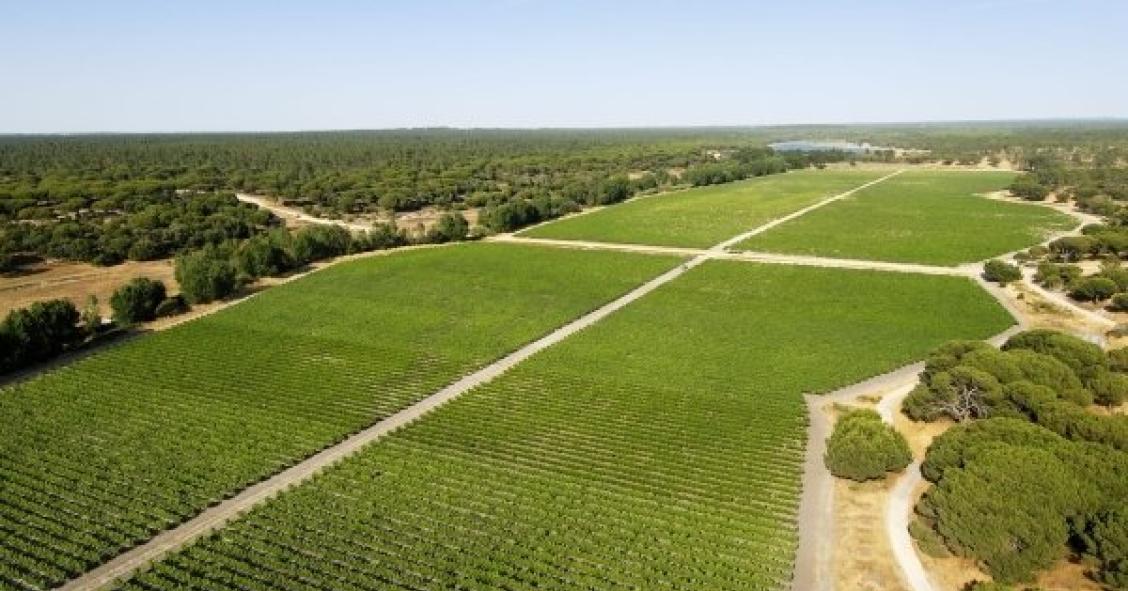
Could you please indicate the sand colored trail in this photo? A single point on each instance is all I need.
(294, 214)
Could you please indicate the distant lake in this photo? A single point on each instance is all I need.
(823, 146)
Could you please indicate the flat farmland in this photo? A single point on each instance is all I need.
(705, 216)
(917, 217)
(104, 453)
(659, 449)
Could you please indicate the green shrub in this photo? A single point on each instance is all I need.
(172, 307)
(1106, 539)
(1028, 188)
(450, 227)
(205, 276)
(862, 447)
(264, 255)
(1108, 388)
(928, 540)
(1093, 289)
(988, 586)
(37, 333)
(1073, 248)
(1119, 303)
(1083, 357)
(137, 301)
(1001, 272)
(1053, 275)
(315, 243)
(1118, 359)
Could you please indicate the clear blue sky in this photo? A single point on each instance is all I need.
(160, 65)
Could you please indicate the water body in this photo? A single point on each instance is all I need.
(824, 146)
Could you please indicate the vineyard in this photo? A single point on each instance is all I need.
(659, 449)
(917, 217)
(704, 216)
(104, 453)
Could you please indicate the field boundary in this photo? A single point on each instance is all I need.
(748, 256)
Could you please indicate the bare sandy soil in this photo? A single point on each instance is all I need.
(414, 222)
(863, 557)
(77, 281)
(418, 222)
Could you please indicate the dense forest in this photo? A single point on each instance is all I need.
(107, 198)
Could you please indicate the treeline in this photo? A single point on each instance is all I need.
(337, 173)
(124, 226)
(1057, 268)
(1030, 473)
(217, 271)
(538, 205)
(1097, 183)
(1077, 143)
(42, 331)
(214, 272)
(106, 199)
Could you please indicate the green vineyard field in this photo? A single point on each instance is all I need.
(703, 217)
(659, 449)
(106, 452)
(917, 217)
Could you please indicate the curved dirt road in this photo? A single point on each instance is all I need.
(897, 515)
(293, 214)
(814, 559)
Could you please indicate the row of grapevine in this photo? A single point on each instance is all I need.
(103, 454)
(936, 217)
(660, 449)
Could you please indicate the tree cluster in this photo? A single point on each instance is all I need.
(862, 447)
(218, 271)
(139, 227)
(1001, 272)
(137, 301)
(39, 332)
(1030, 474)
(1018, 497)
(965, 380)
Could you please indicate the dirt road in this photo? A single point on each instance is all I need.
(897, 515)
(293, 214)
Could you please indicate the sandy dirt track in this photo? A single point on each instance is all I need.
(292, 215)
